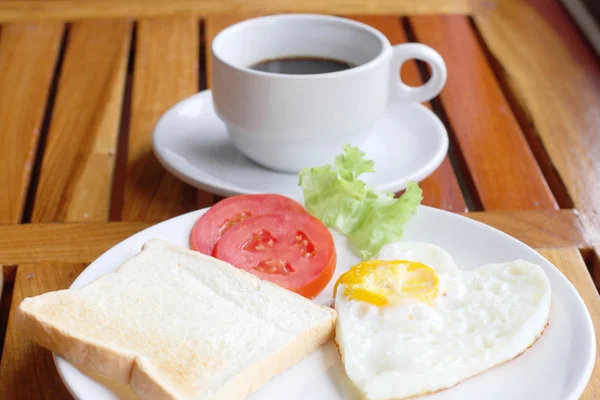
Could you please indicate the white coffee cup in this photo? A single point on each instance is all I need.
(287, 122)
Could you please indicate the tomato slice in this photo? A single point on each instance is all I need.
(295, 251)
(208, 229)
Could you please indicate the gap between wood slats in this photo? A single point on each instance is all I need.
(203, 198)
(463, 176)
(592, 261)
(555, 182)
(41, 146)
(5, 302)
(165, 73)
(204, 48)
(7, 279)
(119, 172)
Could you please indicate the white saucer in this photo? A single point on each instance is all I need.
(191, 142)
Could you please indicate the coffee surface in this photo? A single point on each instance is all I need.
(301, 65)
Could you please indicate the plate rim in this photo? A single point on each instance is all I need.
(224, 188)
(577, 390)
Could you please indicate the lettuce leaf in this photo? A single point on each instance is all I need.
(369, 219)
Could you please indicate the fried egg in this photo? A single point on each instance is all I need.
(410, 322)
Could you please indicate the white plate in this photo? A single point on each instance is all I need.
(557, 367)
(191, 142)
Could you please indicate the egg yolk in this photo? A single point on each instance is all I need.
(382, 282)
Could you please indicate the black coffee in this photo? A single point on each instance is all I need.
(301, 65)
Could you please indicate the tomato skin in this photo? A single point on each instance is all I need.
(208, 229)
(295, 251)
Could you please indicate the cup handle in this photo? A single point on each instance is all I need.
(401, 92)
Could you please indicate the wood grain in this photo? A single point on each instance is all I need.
(84, 242)
(28, 54)
(441, 188)
(165, 72)
(76, 175)
(570, 263)
(556, 76)
(502, 167)
(15, 10)
(27, 370)
(70, 242)
(551, 228)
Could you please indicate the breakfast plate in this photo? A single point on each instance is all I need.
(557, 367)
(191, 142)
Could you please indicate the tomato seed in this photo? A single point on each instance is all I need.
(259, 240)
(275, 266)
(234, 220)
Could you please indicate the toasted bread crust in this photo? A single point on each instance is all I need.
(80, 351)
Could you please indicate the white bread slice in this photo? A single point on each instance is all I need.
(177, 324)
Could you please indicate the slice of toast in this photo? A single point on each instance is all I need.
(178, 324)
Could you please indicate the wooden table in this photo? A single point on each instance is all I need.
(82, 84)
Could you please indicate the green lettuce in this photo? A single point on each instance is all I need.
(369, 219)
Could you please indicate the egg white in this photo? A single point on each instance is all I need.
(480, 319)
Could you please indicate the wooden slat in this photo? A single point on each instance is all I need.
(27, 370)
(503, 168)
(5, 302)
(11, 10)
(83, 242)
(537, 228)
(76, 175)
(570, 263)
(165, 72)
(72, 242)
(556, 77)
(441, 189)
(28, 54)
